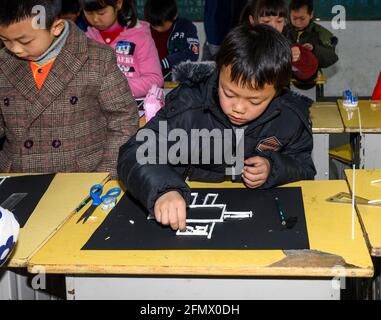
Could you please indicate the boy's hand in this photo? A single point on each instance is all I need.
(171, 209)
(256, 172)
(308, 46)
(295, 54)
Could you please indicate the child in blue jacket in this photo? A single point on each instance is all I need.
(176, 38)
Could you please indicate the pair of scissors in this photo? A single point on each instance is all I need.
(96, 195)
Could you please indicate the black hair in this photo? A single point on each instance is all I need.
(246, 12)
(298, 4)
(14, 11)
(156, 12)
(70, 6)
(257, 56)
(268, 8)
(127, 15)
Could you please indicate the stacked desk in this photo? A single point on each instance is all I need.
(216, 274)
(326, 120)
(365, 121)
(370, 217)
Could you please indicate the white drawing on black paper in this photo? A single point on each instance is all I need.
(199, 225)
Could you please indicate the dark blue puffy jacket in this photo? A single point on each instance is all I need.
(282, 134)
(183, 44)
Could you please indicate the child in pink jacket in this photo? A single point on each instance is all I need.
(115, 23)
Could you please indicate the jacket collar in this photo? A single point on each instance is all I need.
(66, 66)
(308, 29)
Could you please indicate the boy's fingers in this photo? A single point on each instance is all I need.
(251, 184)
(249, 161)
(248, 183)
(182, 215)
(254, 170)
(253, 161)
(256, 161)
(173, 220)
(165, 217)
(253, 178)
(158, 215)
(173, 217)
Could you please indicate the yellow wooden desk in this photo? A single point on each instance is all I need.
(364, 118)
(216, 274)
(326, 120)
(365, 121)
(64, 194)
(370, 217)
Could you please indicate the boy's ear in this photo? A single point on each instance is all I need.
(312, 15)
(251, 20)
(57, 27)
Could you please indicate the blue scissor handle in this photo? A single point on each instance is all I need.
(95, 193)
(112, 193)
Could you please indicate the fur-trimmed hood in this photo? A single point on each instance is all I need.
(193, 72)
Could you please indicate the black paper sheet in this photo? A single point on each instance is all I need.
(127, 228)
(35, 186)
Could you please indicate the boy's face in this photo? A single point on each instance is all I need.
(28, 42)
(301, 19)
(164, 27)
(276, 22)
(242, 104)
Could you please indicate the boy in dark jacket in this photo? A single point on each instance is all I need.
(303, 30)
(246, 98)
(176, 38)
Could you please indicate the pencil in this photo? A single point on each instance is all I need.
(280, 212)
(82, 204)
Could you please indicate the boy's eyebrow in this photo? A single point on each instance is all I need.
(17, 39)
(22, 37)
(232, 91)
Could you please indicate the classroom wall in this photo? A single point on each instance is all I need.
(359, 51)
